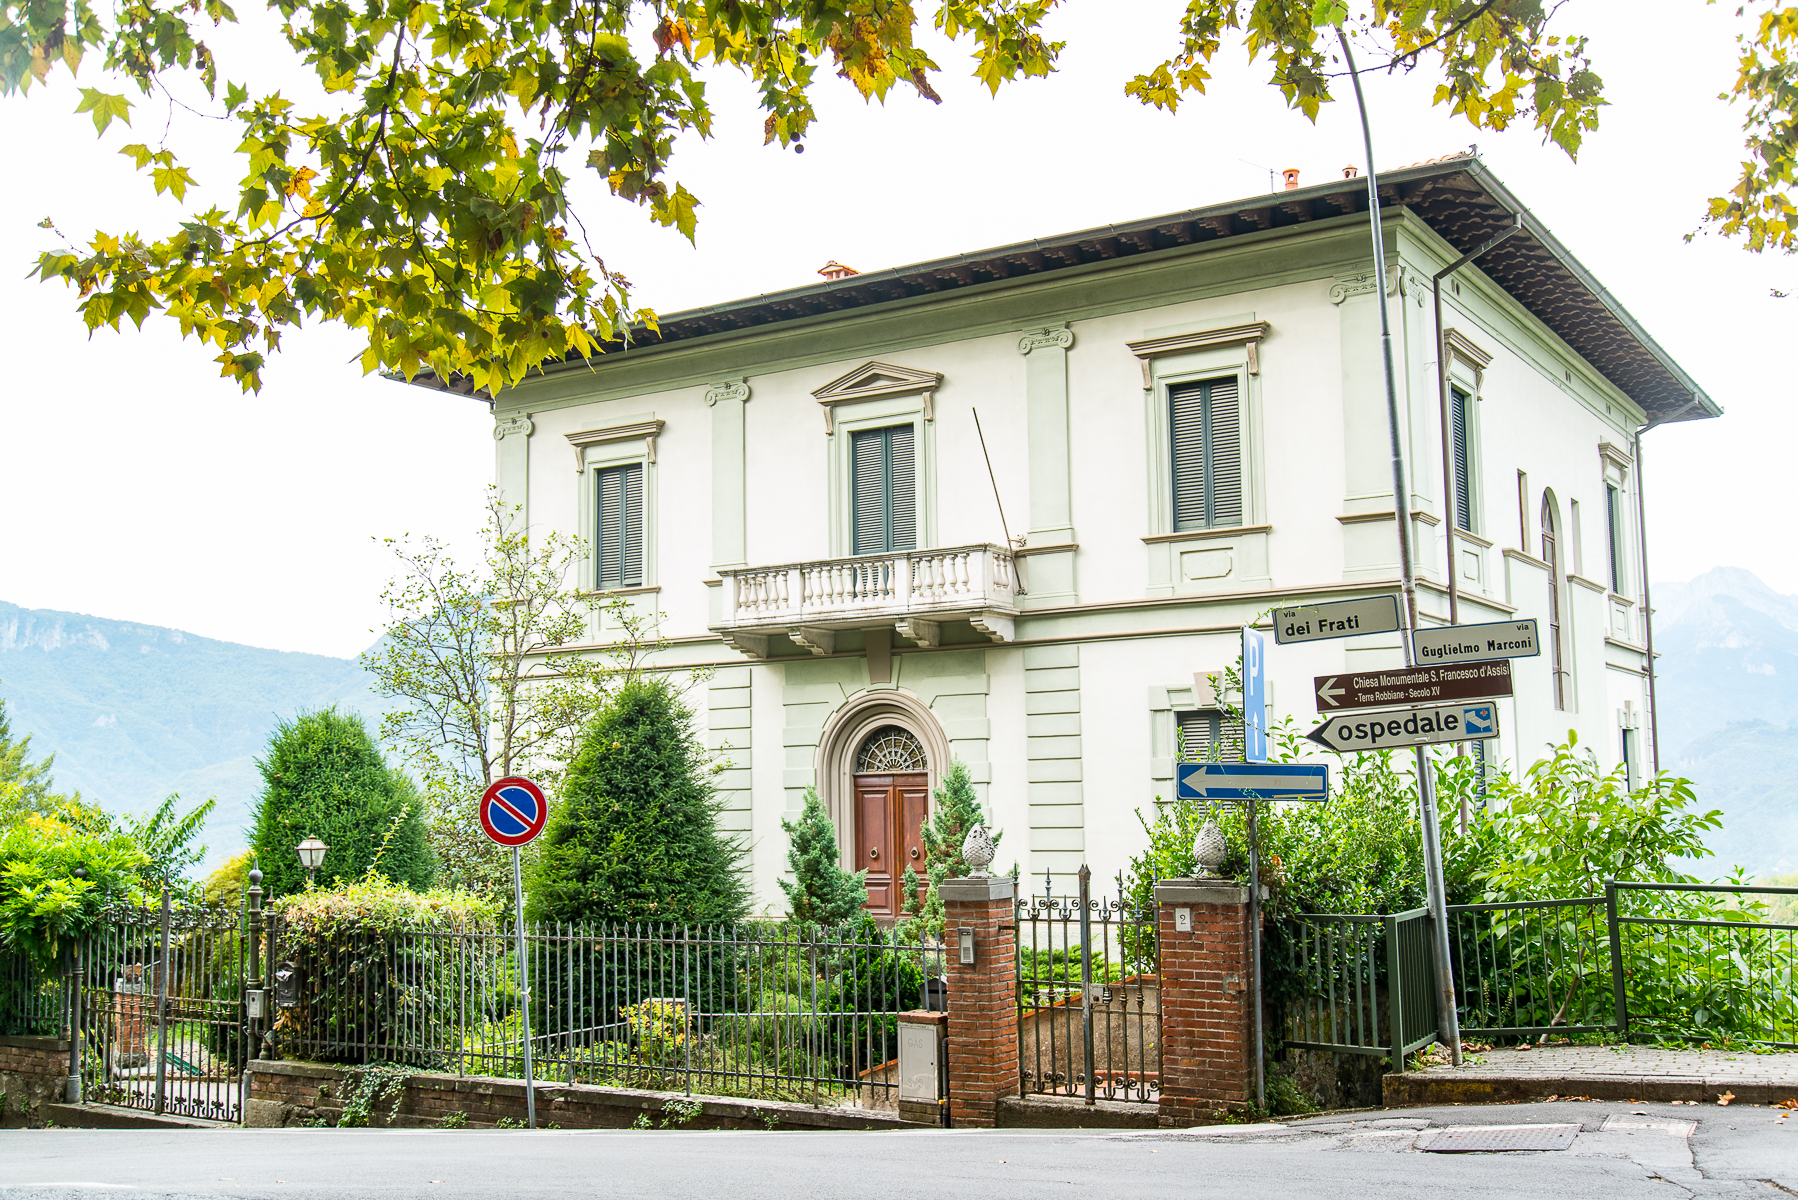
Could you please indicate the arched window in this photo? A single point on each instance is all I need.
(1551, 554)
(890, 750)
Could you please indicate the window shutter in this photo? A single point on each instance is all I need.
(631, 527)
(1208, 735)
(1206, 422)
(885, 487)
(1462, 460)
(902, 486)
(1613, 522)
(869, 468)
(620, 526)
(1188, 420)
(1224, 416)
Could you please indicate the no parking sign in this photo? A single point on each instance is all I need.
(513, 810)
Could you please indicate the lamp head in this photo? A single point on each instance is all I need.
(312, 853)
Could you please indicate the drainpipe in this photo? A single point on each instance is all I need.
(1654, 711)
(1448, 450)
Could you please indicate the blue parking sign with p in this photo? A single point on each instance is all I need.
(1254, 696)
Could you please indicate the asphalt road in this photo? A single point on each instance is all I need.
(1734, 1152)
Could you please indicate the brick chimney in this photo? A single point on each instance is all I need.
(836, 270)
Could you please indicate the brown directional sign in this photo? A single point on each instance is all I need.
(1413, 685)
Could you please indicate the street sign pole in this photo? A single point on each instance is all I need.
(524, 992)
(1448, 1025)
(1255, 927)
(513, 811)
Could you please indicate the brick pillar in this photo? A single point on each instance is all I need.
(983, 1003)
(1207, 1034)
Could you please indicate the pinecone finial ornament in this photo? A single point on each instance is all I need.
(1210, 849)
(977, 851)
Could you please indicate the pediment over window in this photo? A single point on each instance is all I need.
(872, 380)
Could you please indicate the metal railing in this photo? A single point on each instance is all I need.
(1089, 995)
(162, 1021)
(1367, 984)
(1534, 966)
(1699, 962)
(771, 1011)
(34, 1002)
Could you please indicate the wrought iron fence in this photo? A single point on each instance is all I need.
(1534, 966)
(34, 1002)
(1701, 962)
(1365, 983)
(771, 1011)
(1089, 995)
(161, 1019)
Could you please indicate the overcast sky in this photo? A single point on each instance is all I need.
(139, 485)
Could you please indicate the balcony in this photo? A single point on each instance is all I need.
(916, 592)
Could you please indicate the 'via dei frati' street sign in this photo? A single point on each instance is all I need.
(1345, 618)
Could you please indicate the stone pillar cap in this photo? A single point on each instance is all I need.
(1200, 891)
(977, 888)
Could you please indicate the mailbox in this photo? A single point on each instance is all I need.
(287, 988)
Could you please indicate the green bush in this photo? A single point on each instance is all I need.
(635, 836)
(379, 964)
(821, 892)
(325, 778)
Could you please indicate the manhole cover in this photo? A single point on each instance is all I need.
(1618, 1121)
(1463, 1138)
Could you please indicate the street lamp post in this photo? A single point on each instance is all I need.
(312, 854)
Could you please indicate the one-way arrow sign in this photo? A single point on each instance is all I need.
(1254, 781)
(1413, 685)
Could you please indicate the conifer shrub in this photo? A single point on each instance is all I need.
(634, 835)
(955, 811)
(324, 777)
(634, 841)
(820, 892)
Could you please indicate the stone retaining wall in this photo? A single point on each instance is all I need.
(34, 1073)
(298, 1093)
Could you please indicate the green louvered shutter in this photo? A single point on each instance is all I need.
(885, 487)
(1207, 454)
(1613, 525)
(620, 525)
(1463, 459)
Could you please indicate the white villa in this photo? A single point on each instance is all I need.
(1186, 422)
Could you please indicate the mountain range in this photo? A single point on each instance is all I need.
(134, 712)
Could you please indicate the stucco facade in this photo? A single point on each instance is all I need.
(1057, 669)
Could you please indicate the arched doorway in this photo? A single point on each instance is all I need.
(892, 800)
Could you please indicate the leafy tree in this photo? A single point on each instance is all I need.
(635, 836)
(324, 777)
(427, 203)
(1568, 826)
(821, 892)
(477, 658)
(43, 903)
(24, 785)
(167, 839)
(954, 811)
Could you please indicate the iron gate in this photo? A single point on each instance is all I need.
(162, 1023)
(1089, 995)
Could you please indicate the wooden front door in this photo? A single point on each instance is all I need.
(889, 813)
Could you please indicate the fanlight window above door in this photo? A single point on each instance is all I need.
(890, 750)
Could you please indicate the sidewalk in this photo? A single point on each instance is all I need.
(1601, 1073)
